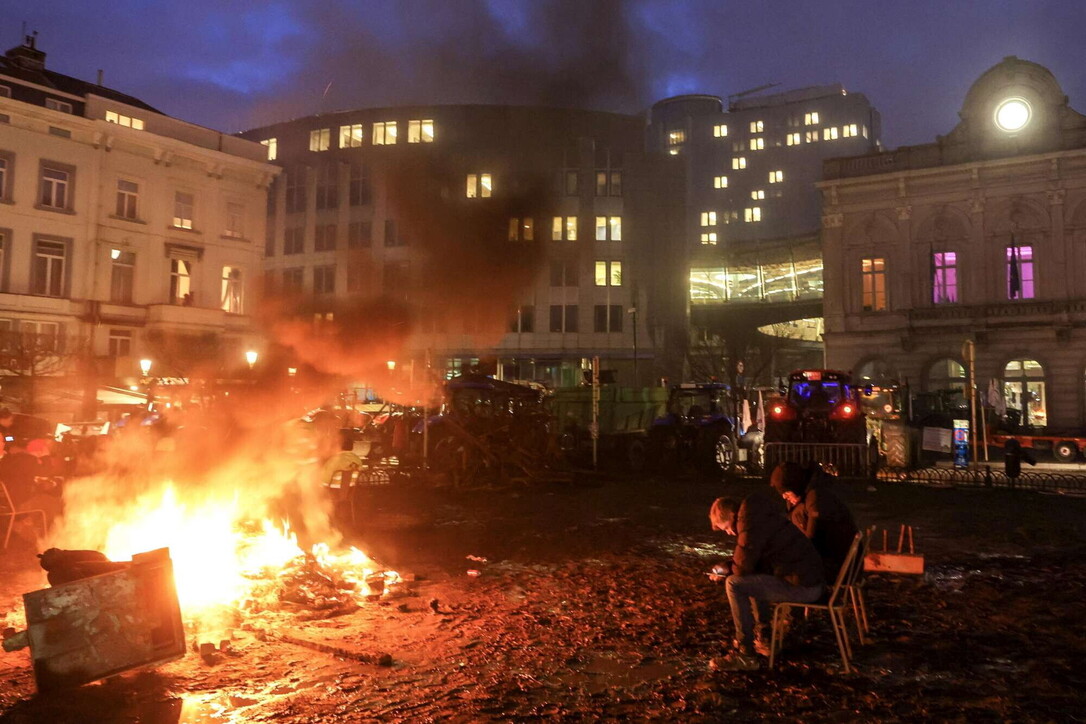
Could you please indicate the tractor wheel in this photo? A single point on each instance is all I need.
(725, 453)
(637, 455)
(756, 458)
(1065, 451)
(895, 440)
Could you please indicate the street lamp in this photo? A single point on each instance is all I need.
(633, 311)
(250, 357)
(145, 367)
(391, 365)
(148, 383)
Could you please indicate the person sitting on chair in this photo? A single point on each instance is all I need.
(28, 480)
(817, 511)
(773, 562)
(343, 460)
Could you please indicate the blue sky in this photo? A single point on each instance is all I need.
(234, 64)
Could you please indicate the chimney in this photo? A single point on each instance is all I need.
(27, 55)
(100, 74)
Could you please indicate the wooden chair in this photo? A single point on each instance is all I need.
(8, 511)
(835, 603)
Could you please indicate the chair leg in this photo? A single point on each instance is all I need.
(7, 535)
(863, 609)
(841, 645)
(775, 636)
(854, 598)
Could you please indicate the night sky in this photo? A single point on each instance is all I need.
(236, 64)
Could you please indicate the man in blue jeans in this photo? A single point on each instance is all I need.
(773, 561)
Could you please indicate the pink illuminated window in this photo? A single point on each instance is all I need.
(944, 273)
(1020, 272)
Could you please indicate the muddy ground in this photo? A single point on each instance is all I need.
(594, 603)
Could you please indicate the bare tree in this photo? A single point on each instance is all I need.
(26, 358)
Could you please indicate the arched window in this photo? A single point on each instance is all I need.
(945, 374)
(877, 371)
(1024, 391)
(944, 390)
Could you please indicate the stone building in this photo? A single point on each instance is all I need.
(979, 236)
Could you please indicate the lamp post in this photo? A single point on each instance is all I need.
(148, 382)
(250, 357)
(633, 313)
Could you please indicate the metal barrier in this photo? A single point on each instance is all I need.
(987, 478)
(845, 459)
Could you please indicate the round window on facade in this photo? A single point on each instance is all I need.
(1013, 114)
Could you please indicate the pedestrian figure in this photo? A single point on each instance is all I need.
(1013, 455)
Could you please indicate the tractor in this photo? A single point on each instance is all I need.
(698, 429)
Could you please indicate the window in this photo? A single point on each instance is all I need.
(829, 133)
(294, 240)
(391, 237)
(873, 273)
(720, 182)
(293, 279)
(811, 137)
(327, 196)
(521, 228)
(181, 282)
(325, 237)
(757, 144)
(849, 130)
(792, 139)
(324, 279)
(944, 270)
(122, 274)
(235, 221)
(120, 343)
(708, 218)
(320, 139)
(384, 133)
(356, 278)
(48, 276)
(608, 274)
(1024, 391)
(720, 130)
(608, 228)
(810, 119)
(127, 198)
(54, 105)
(776, 177)
(183, 204)
(708, 238)
(524, 321)
(61, 132)
(570, 184)
(757, 194)
(479, 185)
(756, 127)
(359, 234)
(675, 141)
(41, 336)
(564, 273)
(608, 183)
(607, 318)
(421, 131)
(7, 166)
(564, 318)
(1020, 272)
(5, 91)
(123, 120)
(272, 144)
(350, 136)
(55, 187)
(564, 228)
(358, 188)
(739, 162)
(863, 131)
(231, 290)
(752, 214)
(295, 191)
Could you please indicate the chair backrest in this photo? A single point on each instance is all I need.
(346, 477)
(850, 569)
(7, 506)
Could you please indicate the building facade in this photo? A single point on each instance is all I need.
(125, 234)
(520, 240)
(978, 237)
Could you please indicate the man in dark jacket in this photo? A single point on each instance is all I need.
(817, 511)
(773, 561)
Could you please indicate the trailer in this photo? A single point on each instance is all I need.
(624, 418)
(1066, 447)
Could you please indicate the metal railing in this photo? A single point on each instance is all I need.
(844, 459)
(987, 477)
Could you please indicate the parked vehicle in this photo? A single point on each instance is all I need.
(699, 428)
(625, 416)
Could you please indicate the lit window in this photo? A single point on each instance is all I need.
(811, 136)
(181, 282)
(350, 136)
(944, 283)
(183, 204)
(127, 198)
(708, 238)
(608, 228)
(231, 290)
(756, 127)
(849, 130)
(1020, 272)
(757, 194)
(720, 130)
(420, 131)
(739, 162)
(320, 139)
(675, 141)
(708, 218)
(384, 133)
(775, 177)
(752, 214)
(793, 139)
(479, 185)
(810, 119)
(829, 133)
(863, 130)
(122, 268)
(123, 120)
(564, 228)
(521, 229)
(272, 144)
(720, 182)
(873, 272)
(757, 144)
(608, 183)
(608, 274)
(54, 105)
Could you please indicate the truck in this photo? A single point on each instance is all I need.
(624, 418)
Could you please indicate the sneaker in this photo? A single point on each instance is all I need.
(736, 661)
